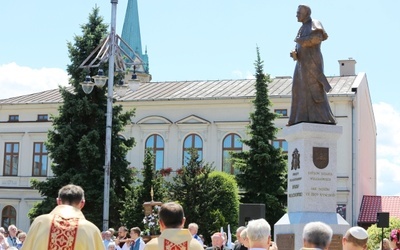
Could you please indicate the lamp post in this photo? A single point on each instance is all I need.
(109, 50)
(110, 92)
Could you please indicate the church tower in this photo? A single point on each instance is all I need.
(131, 34)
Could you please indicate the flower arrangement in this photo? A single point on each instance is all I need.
(179, 171)
(165, 171)
(395, 235)
(151, 222)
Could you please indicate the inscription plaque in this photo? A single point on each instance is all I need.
(285, 241)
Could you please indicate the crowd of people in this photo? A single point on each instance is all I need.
(123, 241)
(66, 228)
(11, 239)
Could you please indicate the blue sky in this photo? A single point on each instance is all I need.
(209, 39)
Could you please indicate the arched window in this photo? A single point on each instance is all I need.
(192, 141)
(8, 216)
(231, 143)
(156, 143)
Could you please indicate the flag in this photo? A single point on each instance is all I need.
(229, 242)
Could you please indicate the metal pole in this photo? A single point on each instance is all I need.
(110, 93)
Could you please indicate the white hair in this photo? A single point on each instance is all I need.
(318, 233)
(240, 229)
(193, 225)
(243, 234)
(258, 230)
(111, 244)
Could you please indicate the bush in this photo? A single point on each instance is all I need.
(223, 191)
(375, 233)
(209, 198)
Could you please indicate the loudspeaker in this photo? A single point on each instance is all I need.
(250, 211)
(382, 219)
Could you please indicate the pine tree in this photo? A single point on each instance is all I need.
(76, 142)
(263, 170)
(132, 211)
(209, 198)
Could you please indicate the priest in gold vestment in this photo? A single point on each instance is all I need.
(65, 228)
(173, 236)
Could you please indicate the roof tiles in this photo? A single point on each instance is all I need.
(184, 90)
(371, 205)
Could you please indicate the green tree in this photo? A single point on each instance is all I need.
(209, 198)
(375, 233)
(76, 141)
(132, 212)
(263, 170)
(224, 203)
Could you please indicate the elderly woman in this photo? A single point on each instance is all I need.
(111, 246)
(21, 236)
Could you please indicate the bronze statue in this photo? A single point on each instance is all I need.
(309, 100)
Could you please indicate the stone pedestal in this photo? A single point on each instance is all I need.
(312, 160)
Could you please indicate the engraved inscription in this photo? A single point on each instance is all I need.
(318, 190)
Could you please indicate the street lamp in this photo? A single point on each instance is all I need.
(118, 60)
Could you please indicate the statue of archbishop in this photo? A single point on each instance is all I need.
(309, 100)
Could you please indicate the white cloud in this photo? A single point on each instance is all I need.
(242, 75)
(387, 119)
(237, 74)
(250, 75)
(18, 80)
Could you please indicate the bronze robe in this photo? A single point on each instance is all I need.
(309, 100)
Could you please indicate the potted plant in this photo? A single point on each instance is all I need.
(165, 171)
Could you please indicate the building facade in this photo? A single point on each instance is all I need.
(172, 117)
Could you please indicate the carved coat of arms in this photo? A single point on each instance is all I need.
(320, 157)
(295, 159)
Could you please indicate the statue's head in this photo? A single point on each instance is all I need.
(303, 13)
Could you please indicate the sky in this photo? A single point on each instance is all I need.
(217, 39)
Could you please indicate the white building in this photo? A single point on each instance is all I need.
(208, 115)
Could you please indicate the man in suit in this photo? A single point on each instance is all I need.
(135, 242)
(239, 245)
(193, 229)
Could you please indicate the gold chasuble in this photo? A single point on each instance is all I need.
(63, 233)
(65, 228)
(174, 239)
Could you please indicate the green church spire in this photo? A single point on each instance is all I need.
(131, 33)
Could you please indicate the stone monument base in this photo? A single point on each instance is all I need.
(312, 184)
(288, 231)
